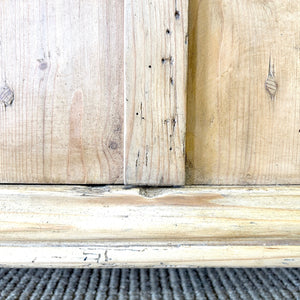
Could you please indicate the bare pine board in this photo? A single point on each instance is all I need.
(78, 214)
(243, 124)
(149, 255)
(155, 91)
(63, 63)
(79, 226)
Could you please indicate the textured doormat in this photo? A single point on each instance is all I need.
(205, 283)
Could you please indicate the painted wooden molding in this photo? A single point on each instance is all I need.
(191, 226)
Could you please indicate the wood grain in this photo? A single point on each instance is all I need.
(148, 255)
(155, 91)
(63, 62)
(200, 226)
(77, 213)
(243, 124)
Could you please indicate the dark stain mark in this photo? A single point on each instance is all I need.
(171, 81)
(173, 124)
(43, 66)
(167, 59)
(137, 159)
(85, 258)
(6, 95)
(186, 40)
(105, 255)
(141, 109)
(271, 85)
(113, 145)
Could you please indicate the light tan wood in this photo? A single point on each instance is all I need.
(243, 124)
(77, 226)
(61, 90)
(155, 91)
(74, 213)
(115, 255)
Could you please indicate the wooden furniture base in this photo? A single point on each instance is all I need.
(80, 226)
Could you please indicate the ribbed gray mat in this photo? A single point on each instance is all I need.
(150, 284)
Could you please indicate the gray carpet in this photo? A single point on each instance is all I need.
(150, 284)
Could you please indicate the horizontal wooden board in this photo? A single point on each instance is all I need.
(155, 91)
(78, 226)
(61, 91)
(243, 124)
(63, 213)
(149, 255)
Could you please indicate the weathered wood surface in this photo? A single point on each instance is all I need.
(149, 255)
(76, 226)
(74, 213)
(63, 63)
(155, 91)
(243, 124)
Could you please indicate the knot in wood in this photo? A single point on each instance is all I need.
(271, 86)
(6, 95)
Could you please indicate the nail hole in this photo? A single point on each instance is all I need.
(149, 66)
(171, 148)
(137, 113)
(177, 14)
(168, 31)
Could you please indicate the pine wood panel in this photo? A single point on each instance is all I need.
(243, 124)
(155, 91)
(78, 213)
(61, 90)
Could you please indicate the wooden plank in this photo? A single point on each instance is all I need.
(201, 226)
(243, 95)
(63, 62)
(155, 91)
(74, 213)
(149, 255)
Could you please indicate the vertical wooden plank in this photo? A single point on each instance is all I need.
(63, 61)
(243, 123)
(155, 91)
